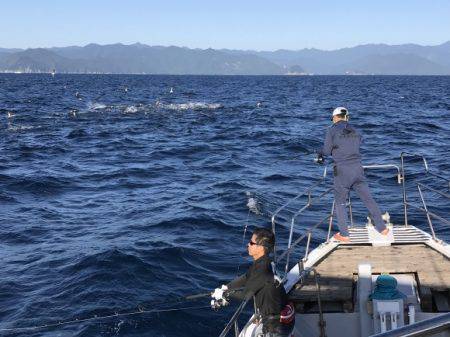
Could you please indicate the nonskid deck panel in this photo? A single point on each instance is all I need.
(360, 235)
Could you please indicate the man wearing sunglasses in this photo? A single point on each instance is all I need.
(276, 317)
(342, 142)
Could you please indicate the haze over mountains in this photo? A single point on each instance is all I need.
(376, 59)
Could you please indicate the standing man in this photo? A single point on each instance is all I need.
(275, 316)
(342, 142)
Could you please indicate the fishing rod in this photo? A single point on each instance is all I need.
(141, 309)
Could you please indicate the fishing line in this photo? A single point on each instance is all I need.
(243, 240)
(141, 309)
(96, 318)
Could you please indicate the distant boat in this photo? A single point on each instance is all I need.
(53, 72)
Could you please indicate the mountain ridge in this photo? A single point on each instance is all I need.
(138, 58)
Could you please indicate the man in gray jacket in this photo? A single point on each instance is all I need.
(342, 142)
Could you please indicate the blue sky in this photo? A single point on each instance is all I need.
(243, 24)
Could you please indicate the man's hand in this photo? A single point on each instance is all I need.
(218, 293)
(319, 159)
(218, 297)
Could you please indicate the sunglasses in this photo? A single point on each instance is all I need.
(251, 243)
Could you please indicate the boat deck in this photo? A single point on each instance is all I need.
(406, 255)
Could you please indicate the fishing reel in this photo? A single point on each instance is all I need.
(217, 304)
(219, 297)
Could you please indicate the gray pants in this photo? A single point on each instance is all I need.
(352, 177)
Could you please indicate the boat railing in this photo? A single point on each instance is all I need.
(308, 192)
(234, 320)
(424, 209)
(371, 167)
(406, 204)
(329, 217)
(428, 327)
(311, 200)
(401, 178)
(307, 235)
(291, 245)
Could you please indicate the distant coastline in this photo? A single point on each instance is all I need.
(370, 59)
(228, 75)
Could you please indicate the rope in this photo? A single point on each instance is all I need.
(140, 311)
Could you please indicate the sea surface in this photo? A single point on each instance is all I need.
(125, 193)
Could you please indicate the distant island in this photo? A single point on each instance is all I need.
(370, 59)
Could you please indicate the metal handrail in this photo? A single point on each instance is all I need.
(425, 163)
(420, 186)
(426, 327)
(308, 234)
(430, 223)
(301, 238)
(234, 318)
(402, 166)
(379, 166)
(434, 190)
(279, 209)
(291, 232)
(440, 177)
(373, 166)
(417, 155)
(309, 203)
(330, 222)
(425, 208)
(431, 213)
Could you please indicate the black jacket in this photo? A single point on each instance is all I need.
(270, 296)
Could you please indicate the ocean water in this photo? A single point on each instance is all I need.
(117, 194)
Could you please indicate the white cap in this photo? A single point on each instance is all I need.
(339, 110)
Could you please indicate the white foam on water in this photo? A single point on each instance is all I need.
(95, 106)
(252, 205)
(189, 106)
(131, 109)
(15, 128)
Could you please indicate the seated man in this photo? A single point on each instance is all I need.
(276, 317)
